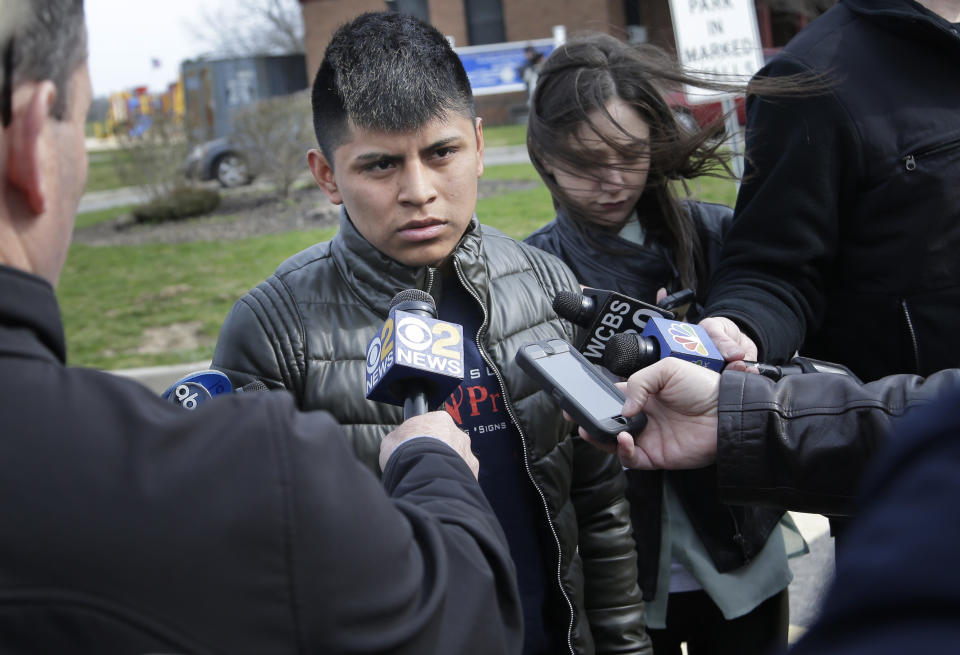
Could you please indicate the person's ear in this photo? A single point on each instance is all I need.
(479, 123)
(323, 173)
(26, 153)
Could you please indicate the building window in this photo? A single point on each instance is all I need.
(484, 21)
(415, 8)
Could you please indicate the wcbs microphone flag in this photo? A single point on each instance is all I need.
(411, 348)
(603, 314)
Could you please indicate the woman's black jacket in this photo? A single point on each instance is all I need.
(732, 534)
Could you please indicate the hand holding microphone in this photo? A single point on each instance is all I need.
(680, 403)
(438, 425)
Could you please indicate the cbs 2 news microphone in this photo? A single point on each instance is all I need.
(416, 360)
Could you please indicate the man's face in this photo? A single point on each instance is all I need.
(413, 194)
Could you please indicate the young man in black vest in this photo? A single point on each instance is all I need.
(401, 149)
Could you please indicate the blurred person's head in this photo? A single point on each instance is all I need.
(607, 143)
(44, 97)
(400, 145)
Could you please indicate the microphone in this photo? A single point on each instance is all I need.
(627, 353)
(199, 387)
(415, 361)
(604, 314)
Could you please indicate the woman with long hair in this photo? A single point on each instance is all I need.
(614, 157)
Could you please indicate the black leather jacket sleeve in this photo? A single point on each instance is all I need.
(614, 602)
(261, 339)
(803, 443)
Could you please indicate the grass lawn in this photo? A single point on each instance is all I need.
(112, 298)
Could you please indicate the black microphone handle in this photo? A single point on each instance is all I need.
(415, 301)
(415, 404)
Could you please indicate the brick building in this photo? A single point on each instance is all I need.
(476, 22)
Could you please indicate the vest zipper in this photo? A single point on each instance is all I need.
(430, 274)
(910, 161)
(913, 335)
(526, 462)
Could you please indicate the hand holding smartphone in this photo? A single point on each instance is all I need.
(579, 387)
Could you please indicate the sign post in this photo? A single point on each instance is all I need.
(718, 39)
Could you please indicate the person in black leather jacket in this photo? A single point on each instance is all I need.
(799, 443)
(608, 147)
(133, 526)
(886, 451)
(401, 149)
(846, 230)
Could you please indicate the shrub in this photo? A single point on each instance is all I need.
(152, 156)
(179, 204)
(276, 133)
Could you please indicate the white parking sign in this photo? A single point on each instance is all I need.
(717, 37)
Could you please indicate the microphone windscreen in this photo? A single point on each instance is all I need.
(414, 295)
(256, 385)
(572, 306)
(621, 354)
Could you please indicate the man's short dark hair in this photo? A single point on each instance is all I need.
(41, 40)
(386, 71)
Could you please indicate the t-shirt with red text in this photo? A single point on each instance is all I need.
(477, 406)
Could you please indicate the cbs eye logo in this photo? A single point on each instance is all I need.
(380, 346)
(416, 334)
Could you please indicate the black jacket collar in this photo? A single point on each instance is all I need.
(29, 316)
(377, 277)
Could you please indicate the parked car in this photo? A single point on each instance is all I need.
(221, 160)
(692, 116)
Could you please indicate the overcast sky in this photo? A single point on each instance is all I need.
(127, 35)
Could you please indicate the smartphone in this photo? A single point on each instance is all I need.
(579, 387)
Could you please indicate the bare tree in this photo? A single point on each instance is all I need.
(276, 134)
(152, 158)
(250, 27)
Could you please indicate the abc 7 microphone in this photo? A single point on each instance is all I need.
(604, 314)
(415, 361)
(200, 387)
